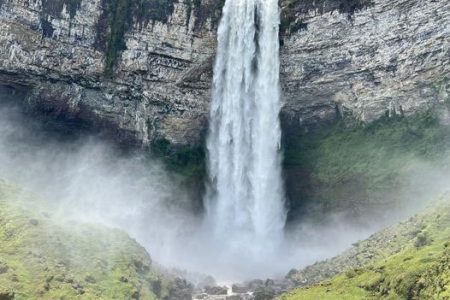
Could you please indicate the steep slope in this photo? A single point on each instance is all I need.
(407, 261)
(133, 67)
(393, 164)
(363, 58)
(41, 258)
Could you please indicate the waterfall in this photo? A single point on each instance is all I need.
(245, 201)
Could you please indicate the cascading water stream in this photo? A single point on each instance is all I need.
(245, 202)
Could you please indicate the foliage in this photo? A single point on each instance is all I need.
(119, 16)
(413, 273)
(46, 259)
(366, 161)
(184, 160)
(339, 151)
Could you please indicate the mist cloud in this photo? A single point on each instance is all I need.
(88, 179)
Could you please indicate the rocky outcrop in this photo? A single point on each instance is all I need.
(339, 57)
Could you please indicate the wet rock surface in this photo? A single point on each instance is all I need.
(216, 290)
(180, 290)
(256, 289)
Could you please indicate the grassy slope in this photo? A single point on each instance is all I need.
(412, 263)
(40, 259)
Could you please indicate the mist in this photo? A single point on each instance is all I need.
(88, 179)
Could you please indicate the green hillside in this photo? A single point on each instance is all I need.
(407, 261)
(44, 259)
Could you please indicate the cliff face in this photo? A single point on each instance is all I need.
(157, 90)
(361, 60)
(389, 56)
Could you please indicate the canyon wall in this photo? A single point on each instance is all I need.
(149, 79)
(366, 59)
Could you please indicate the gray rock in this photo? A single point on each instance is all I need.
(216, 290)
(180, 290)
(159, 90)
(391, 57)
(240, 288)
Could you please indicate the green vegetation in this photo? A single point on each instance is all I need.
(185, 160)
(340, 152)
(187, 166)
(338, 166)
(419, 270)
(119, 16)
(41, 258)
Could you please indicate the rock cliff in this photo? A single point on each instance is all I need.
(145, 74)
(157, 89)
(366, 60)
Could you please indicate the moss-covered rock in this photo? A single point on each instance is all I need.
(363, 168)
(119, 16)
(42, 258)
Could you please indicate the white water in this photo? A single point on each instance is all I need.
(245, 203)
